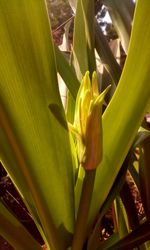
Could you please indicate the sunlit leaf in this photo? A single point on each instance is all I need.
(28, 84)
(125, 112)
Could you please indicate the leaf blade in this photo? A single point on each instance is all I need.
(123, 130)
(28, 84)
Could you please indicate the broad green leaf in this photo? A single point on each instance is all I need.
(88, 15)
(125, 112)
(8, 160)
(83, 38)
(58, 113)
(15, 233)
(79, 59)
(28, 84)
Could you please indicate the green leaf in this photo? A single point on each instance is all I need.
(10, 164)
(70, 109)
(83, 39)
(88, 9)
(15, 233)
(67, 73)
(106, 55)
(28, 84)
(125, 112)
(58, 113)
(121, 217)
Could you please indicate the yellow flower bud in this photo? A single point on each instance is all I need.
(88, 122)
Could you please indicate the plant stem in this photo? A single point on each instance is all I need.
(82, 216)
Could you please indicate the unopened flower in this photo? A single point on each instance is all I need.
(88, 122)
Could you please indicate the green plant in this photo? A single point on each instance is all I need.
(36, 147)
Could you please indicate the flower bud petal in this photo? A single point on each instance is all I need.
(93, 139)
(95, 84)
